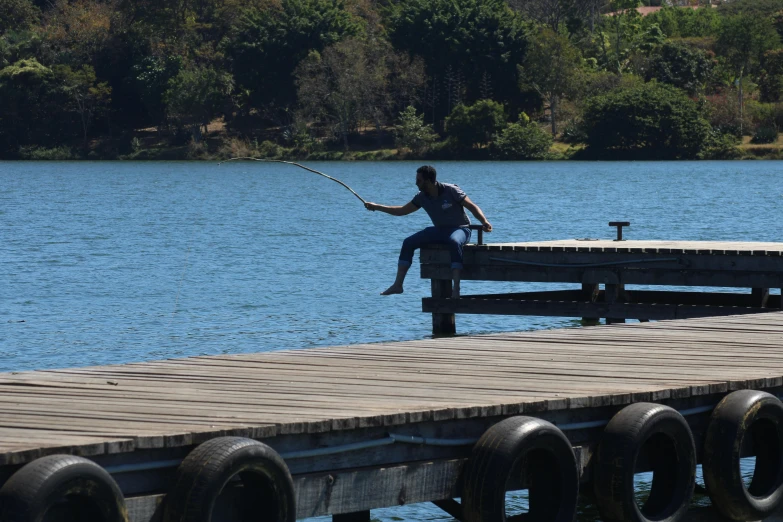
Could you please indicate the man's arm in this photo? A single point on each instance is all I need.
(404, 210)
(476, 211)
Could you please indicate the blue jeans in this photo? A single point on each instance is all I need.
(454, 237)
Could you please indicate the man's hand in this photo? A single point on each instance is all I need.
(371, 206)
(487, 227)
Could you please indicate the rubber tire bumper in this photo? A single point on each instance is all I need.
(62, 487)
(665, 436)
(743, 414)
(524, 444)
(268, 490)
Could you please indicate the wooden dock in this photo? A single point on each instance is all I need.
(397, 419)
(603, 271)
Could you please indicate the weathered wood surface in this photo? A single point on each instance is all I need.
(636, 246)
(673, 263)
(180, 402)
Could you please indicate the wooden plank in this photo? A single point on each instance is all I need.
(611, 309)
(175, 403)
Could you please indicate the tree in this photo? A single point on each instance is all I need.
(551, 13)
(24, 89)
(196, 96)
(150, 79)
(411, 132)
(522, 140)
(650, 121)
(676, 22)
(550, 67)
(771, 77)
(756, 8)
(350, 82)
(88, 96)
(477, 124)
(17, 15)
(465, 44)
(742, 42)
(75, 33)
(678, 65)
(267, 44)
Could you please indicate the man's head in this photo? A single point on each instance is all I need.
(425, 176)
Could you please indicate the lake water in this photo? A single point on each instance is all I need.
(111, 262)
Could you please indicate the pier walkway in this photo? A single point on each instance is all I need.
(379, 407)
(110, 409)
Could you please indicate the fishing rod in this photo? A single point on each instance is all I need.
(301, 167)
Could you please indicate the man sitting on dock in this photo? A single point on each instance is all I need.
(445, 204)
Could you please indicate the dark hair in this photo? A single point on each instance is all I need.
(427, 173)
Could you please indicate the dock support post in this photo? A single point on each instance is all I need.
(760, 297)
(612, 295)
(442, 324)
(590, 294)
(359, 516)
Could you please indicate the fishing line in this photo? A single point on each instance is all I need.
(301, 167)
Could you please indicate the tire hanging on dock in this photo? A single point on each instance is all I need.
(639, 433)
(62, 487)
(745, 421)
(266, 495)
(515, 452)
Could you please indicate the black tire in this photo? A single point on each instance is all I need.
(64, 488)
(267, 493)
(510, 450)
(752, 419)
(663, 436)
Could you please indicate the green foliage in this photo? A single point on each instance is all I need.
(25, 91)
(195, 96)
(573, 133)
(411, 132)
(86, 95)
(765, 135)
(150, 79)
(267, 44)
(655, 121)
(522, 140)
(720, 146)
(676, 22)
(17, 15)
(621, 38)
(743, 39)
(756, 8)
(678, 65)
(462, 43)
(551, 67)
(475, 125)
(47, 154)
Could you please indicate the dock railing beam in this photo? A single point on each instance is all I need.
(359, 516)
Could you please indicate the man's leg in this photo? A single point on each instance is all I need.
(457, 239)
(410, 244)
(396, 288)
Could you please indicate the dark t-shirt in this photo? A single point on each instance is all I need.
(446, 209)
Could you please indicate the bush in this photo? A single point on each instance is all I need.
(236, 148)
(269, 149)
(720, 147)
(573, 133)
(765, 135)
(475, 125)
(411, 132)
(648, 121)
(44, 154)
(523, 140)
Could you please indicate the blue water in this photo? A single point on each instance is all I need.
(122, 261)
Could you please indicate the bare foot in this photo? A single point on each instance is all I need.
(455, 292)
(393, 289)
